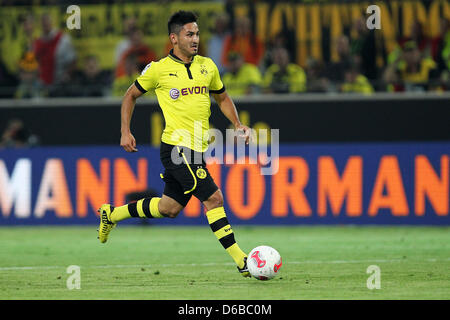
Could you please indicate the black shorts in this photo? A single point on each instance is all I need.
(185, 174)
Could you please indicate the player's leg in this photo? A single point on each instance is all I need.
(164, 207)
(194, 179)
(110, 215)
(174, 198)
(221, 228)
(144, 208)
(169, 205)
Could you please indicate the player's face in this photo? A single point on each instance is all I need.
(188, 39)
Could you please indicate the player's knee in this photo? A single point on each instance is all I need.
(216, 200)
(170, 212)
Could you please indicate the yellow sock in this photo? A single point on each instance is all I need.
(143, 208)
(120, 213)
(154, 208)
(218, 222)
(148, 208)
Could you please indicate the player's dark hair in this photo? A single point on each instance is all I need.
(179, 19)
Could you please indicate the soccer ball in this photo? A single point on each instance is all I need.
(264, 262)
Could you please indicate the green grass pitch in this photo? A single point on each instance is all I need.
(160, 262)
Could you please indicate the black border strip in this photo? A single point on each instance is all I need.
(218, 91)
(138, 85)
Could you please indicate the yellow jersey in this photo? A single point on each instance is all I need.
(422, 76)
(293, 80)
(360, 85)
(240, 83)
(183, 92)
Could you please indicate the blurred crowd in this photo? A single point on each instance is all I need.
(17, 135)
(51, 67)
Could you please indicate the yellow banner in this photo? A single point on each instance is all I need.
(309, 21)
(102, 25)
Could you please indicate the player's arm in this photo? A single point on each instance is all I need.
(127, 140)
(228, 108)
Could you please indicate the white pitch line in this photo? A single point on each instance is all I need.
(216, 264)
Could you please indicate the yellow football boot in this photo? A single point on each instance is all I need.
(244, 270)
(106, 225)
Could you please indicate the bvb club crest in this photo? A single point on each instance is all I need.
(203, 70)
(201, 173)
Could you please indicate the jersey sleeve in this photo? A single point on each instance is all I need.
(148, 79)
(216, 85)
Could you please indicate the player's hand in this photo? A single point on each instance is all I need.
(244, 132)
(128, 142)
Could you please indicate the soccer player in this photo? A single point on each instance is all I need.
(182, 82)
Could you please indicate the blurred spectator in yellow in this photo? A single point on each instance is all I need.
(315, 76)
(217, 41)
(137, 48)
(121, 83)
(416, 72)
(30, 85)
(242, 78)
(285, 38)
(355, 82)
(16, 135)
(91, 81)
(54, 53)
(283, 76)
(418, 36)
(244, 41)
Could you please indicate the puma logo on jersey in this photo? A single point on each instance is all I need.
(173, 74)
